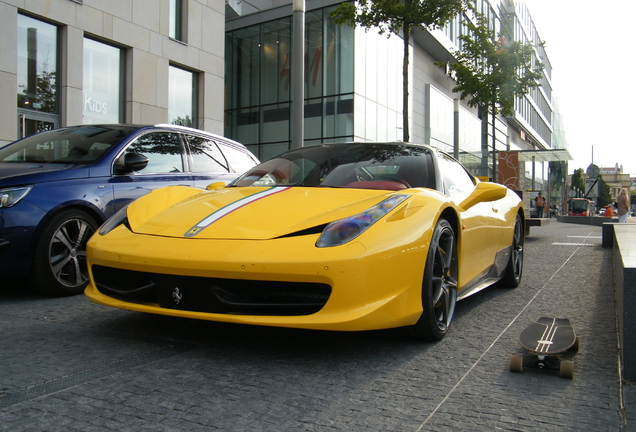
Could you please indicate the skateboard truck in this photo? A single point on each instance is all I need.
(544, 339)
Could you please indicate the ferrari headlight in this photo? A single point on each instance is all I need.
(345, 230)
(114, 221)
(11, 196)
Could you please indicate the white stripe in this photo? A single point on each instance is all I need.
(235, 205)
(230, 208)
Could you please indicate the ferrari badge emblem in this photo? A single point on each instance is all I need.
(177, 295)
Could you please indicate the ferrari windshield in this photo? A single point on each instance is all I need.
(369, 166)
(75, 145)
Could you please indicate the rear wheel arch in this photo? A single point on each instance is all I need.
(451, 217)
(522, 215)
(513, 272)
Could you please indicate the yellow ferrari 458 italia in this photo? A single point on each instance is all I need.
(355, 236)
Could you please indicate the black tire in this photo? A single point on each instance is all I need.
(516, 363)
(566, 369)
(439, 287)
(59, 259)
(514, 269)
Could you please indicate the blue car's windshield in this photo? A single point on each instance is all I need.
(369, 166)
(75, 145)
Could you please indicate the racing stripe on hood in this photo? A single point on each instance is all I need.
(224, 211)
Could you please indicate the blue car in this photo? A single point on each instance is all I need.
(57, 187)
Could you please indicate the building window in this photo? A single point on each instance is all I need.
(103, 99)
(177, 20)
(182, 92)
(37, 65)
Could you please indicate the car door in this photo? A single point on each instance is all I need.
(480, 225)
(166, 166)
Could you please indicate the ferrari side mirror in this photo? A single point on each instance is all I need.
(484, 192)
(215, 185)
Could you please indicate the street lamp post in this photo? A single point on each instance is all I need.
(298, 74)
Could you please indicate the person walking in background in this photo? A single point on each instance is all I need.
(539, 204)
(622, 203)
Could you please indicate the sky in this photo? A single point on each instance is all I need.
(590, 46)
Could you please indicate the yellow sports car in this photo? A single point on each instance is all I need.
(354, 236)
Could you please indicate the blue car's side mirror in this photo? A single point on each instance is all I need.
(132, 162)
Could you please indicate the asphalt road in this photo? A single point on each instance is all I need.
(70, 365)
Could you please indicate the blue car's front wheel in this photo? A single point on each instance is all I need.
(59, 260)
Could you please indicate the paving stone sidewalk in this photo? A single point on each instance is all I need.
(69, 365)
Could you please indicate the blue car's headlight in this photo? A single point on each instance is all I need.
(11, 196)
(345, 230)
(114, 221)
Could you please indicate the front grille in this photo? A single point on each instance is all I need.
(212, 295)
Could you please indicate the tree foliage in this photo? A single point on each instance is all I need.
(604, 193)
(577, 180)
(491, 70)
(400, 17)
(43, 97)
(604, 190)
(182, 121)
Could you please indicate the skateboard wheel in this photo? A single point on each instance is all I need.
(575, 347)
(516, 363)
(567, 369)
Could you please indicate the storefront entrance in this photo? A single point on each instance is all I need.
(30, 122)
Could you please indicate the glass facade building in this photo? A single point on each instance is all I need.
(353, 89)
(257, 80)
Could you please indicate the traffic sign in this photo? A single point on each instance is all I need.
(591, 188)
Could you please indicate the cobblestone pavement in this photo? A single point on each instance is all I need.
(69, 365)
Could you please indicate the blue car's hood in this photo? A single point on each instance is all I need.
(26, 173)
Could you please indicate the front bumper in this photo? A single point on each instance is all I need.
(18, 226)
(366, 287)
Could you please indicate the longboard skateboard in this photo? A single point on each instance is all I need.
(545, 339)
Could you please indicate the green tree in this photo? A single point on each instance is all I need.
(492, 70)
(604, 193)
(182, 121)
(577, 181)
(400, 17)
(44, 98)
